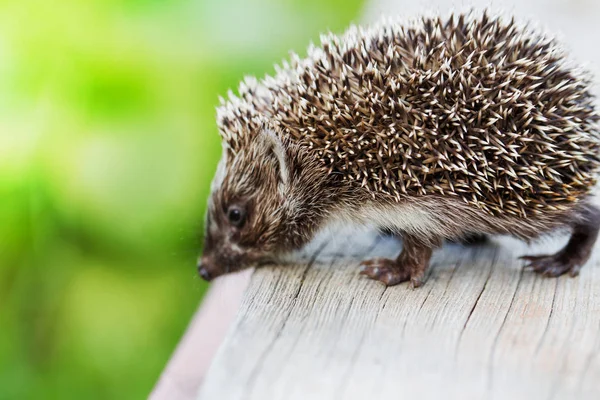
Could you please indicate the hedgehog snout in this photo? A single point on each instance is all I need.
(204, 268)
(224, 259)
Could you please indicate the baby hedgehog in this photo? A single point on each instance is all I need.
(433, 130)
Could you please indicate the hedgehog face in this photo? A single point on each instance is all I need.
(247, 208)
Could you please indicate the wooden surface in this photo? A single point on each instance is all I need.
(480, 328)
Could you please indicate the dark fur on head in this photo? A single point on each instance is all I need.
(266, 181)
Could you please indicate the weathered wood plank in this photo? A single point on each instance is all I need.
(480, 328)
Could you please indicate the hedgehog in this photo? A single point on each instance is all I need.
(432, 130)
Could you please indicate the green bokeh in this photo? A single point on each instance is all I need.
(107, 148)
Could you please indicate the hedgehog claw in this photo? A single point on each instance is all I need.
(551, 265)
(387, 271)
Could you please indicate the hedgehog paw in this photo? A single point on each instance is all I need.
(552, 265)
(389, 272)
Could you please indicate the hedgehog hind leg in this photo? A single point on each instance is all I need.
(411, 264)
(577, 251)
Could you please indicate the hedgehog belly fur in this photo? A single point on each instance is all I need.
(407, 218)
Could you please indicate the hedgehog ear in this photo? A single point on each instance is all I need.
(275, 145)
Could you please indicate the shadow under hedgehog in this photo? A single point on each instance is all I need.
(432, 130)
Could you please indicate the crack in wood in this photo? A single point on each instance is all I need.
(499, 332)
(265, 354)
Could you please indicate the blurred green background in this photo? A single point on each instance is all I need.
(107, 147)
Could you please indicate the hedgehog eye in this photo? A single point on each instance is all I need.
(236, 216)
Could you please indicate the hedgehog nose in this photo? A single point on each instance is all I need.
(202, 271)
(204, 274)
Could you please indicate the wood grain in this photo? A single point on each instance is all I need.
(481, 327)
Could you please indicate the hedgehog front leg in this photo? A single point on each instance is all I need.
(411, 264)
(577, 251)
